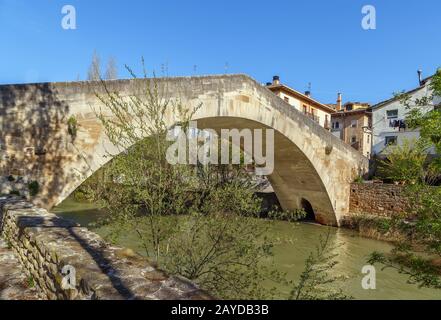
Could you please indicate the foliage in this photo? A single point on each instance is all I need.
(405, 162)
(424, 115)
(30, 282)
(419, 270)
(196, 221)
(359, 179)
(92, 189)
(14, 192)
(33, 188)
(222, 253)
(316, 281)
(72, 127)
(419, 254)
(287, 215)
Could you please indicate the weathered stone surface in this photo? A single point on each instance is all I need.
(44, 244)
(37, 145)
(385, 200)
(14, 283)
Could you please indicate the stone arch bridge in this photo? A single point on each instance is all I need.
(310, 163)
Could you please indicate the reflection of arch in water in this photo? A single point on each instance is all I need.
(306, 205)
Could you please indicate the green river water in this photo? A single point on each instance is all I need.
(294, 243)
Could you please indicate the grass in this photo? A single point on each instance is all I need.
(30, 282)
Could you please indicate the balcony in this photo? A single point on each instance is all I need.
(312, 116)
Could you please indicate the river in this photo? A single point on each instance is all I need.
(289, 256)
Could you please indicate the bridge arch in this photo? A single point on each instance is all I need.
(309, 161)
(295, 176)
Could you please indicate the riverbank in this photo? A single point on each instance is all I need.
(373, 227)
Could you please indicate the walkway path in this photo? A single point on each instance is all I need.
(14, 284)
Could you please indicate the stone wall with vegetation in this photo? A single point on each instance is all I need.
(46, 243)
(384, 200)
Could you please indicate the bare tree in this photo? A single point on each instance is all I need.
(112, 69)
(94, 72)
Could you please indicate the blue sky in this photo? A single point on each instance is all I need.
(321, 42)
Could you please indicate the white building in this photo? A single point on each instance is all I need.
(388, 118)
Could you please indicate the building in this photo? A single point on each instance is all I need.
(352, 124)
(389, 123)
(303, 102)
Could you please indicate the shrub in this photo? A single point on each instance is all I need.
(33, 188)
(287, 215)
(30, 282)
(359, 179)
(15, 193)
(404, 163)
(72, 127)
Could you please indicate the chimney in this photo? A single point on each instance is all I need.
(308, 93)
(338, 108)
(276, 80)
(420, 78)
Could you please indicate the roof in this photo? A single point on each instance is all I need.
(282, 87)
(386, 102)
(351, 112)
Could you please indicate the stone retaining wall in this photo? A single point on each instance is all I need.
(383, 200)
(45, 244)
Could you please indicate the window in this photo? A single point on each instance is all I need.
(286, 99)
(368, 138)
(392, 114)
(349, 107)
(354, 124)
(305, 109)
(390, 140)
(336, 125)
(353, 139)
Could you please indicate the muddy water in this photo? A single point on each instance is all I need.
(294, 243)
